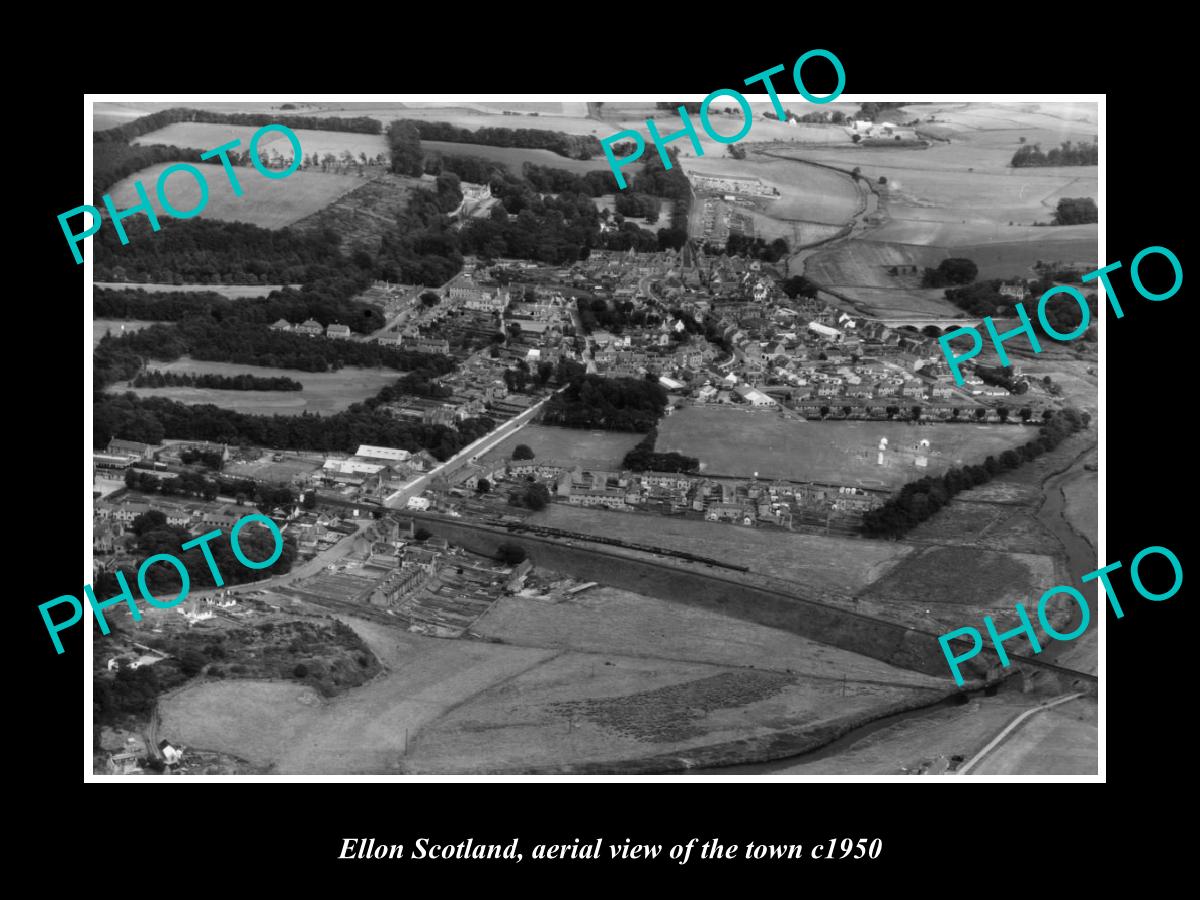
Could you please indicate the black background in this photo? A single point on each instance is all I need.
(950, 841)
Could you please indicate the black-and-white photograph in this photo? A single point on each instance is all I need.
(751, 437)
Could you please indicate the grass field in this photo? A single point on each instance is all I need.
(819, 563)
(807, 193)
(266, 202)
(233, 291)
(736, 442)
(101, 327)
(205, 136)
(602, 450)
(896, 304)
(324, 392)
(965, 576)
(515, 157)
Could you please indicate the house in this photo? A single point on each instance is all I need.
(753, 396)
(118, 447)
(338, 331)
(282, 325)
(123, 764)
(312, 328)
(383, 454)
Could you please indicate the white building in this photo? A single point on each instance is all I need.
(385, 454)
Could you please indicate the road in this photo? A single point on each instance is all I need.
(1029, 749)
(468, 454)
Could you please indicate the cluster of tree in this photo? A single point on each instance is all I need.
(919, 500)
(415, 384)
(799, 286)
(530, 495)
(874, 112)
(1076, 211)
(642, 458)
(955, 270)
(240, 382)
(511, 554)
(207, 250)
(633, 203)
(597, 313)
(112, 161)
(193, 484)
(670, 184)
(151, 419)
(522, 451)
(1078, 154)
(424, 248)
(616, 404)
(595, 183)
(673, 106)
(163, 118)
(1002, 376)
(550, 229)
(230, 340)
(405, 143)
(573, 146)
(327, 302)
(208, 458)
(756, 247)
(984, 299)
(836, 117)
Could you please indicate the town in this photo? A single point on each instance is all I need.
(577, 482)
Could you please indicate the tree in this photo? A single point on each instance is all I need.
(522, 451)
(892, 411)
(422, 534)
(482, 486)
(429, 299)
(511, 554)
(1002, 412)
(824, 411)
(301, 671)
(916, 413)
(310, 500)
(981, 413)
(150, 520)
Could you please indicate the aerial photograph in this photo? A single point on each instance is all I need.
(674, 479)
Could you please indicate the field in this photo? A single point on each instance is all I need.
(833, 564)
(364, 213)
(267, 203)
(737, 442)
(807, 193)
(515, 157)
(324, 392)
(233, 291)
(205, 136)
(965, 576)
(898, 305)
(462, 706)
(603, 450)
(101, 327)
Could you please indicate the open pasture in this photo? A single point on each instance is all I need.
(737, 442)
(115, 327)
(516, 157)
(267, 203)
(602, 450)
(206, 135)
(324, 392)
(231, 291)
